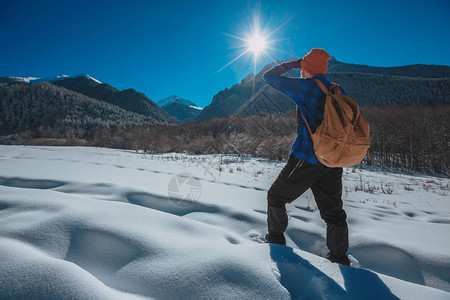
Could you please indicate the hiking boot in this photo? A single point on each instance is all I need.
(280, 240)
(340, 259)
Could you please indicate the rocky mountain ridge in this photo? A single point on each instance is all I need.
(405, 85)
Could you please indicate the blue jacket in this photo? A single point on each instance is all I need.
(309, 98)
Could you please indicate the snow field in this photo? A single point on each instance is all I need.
(94, 223)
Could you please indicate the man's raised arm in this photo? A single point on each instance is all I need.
(283, 84)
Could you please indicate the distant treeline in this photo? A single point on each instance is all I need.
(404, 137)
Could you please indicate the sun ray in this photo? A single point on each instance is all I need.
(279, 40)
(232, 61)
(281, 26)
(273, 59)
(235, 36)
(243, 46)
(278, 50)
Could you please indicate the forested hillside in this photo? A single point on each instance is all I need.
(408, 85)
(25, 106)
(376, 89)
(425, 71)
(129, 99)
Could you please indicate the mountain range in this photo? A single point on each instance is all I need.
(78, 101)
(405, 85)
(128, 99)
(28, 101)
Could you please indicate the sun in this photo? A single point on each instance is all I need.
(257, 44)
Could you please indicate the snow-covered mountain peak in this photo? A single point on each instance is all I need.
(180, 108)
(64, 76)
(175, 99)
(92, 78)
(24, 79)
(31, 79)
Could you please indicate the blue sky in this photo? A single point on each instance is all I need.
(168, 47)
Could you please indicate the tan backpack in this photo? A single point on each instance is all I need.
(343, 137)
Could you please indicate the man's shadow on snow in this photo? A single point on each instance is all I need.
(305, 281)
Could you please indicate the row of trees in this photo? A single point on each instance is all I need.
(410, 137)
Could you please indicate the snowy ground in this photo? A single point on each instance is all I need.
(92, 223)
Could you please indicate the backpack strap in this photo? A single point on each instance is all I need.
(334, 86)
(322, 86)
(298, 120)
(337, 91)
(350, 109)
(324, 89)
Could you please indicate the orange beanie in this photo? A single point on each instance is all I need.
(315, 62)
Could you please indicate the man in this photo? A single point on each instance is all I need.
(303, 170)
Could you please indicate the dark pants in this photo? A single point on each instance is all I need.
(326, 184)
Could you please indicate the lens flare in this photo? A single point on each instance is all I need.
(257, 41)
